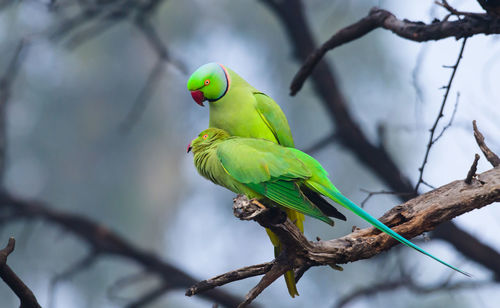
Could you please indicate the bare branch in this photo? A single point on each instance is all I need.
(276, 271)
(490, 156)
(470, 25)
(26, 296)
(405, 282)
(382, 192)
(6, 81)
(105, 242)
(149, 297)
(124, 282)
(431, 141)
(450, 122)
(141, 102)
(418, 215)
(291, 14)
(323, 142)
(239, 274)
(469, 245)
(79, 266)
(472, 170)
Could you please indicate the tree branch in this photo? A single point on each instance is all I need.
(472, 170)
(291, 14)
(490, 156)
(432, 131)
(414, 217)
(103, 241)
(417, 31)
(26, 296)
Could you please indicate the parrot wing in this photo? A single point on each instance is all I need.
(270, 170)
(275, 119)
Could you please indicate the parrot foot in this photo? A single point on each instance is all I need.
(246, 209)
(257, 203)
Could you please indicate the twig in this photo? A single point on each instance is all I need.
(325, 83)
(490, 156)
(470, 25)
(382, 192)
(451, 119)
(79, 266)
(301, 271)
(26, 296)
(102, 16)
(320, 144)
(239, 274)
(405, 282)
(124, 282)
(472, 170)
(469, 246)
(437, 206)
(105, 242)
(416, 72)
(439, 116)
(452, 10)
(276, 271)
(6, 81)
(141, 102)
(149, 297)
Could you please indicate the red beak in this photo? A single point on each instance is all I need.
(198, 97)
(189, 148)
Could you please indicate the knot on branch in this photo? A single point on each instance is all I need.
(299, 254)
(246, 209)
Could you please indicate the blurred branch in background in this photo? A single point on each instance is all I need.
(291, 14)
(405, 280)
(102, 241)
(420, 214)
(95, 18)
(440, 115)
(6, 81)
(471, 24)
(26, 296)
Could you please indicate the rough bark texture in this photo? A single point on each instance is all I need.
(418, 31)
(347, 130)
(418, 215)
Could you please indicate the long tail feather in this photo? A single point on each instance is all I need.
(342, 200)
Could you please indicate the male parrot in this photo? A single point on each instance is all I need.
(242, 110)
(269, 172)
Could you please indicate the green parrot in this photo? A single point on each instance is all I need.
(242, 110)
(274, 174)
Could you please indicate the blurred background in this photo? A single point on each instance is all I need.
(72, 144)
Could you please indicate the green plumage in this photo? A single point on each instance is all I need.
(241, 110)
(266, 171)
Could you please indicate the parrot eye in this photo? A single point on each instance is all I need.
(205, 136)
(207, 82)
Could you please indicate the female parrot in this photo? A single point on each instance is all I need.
(242, 110)
(269, 172)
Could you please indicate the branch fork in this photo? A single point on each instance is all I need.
(414, 217)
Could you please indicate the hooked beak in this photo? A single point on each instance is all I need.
(198, 97)
(189, 148)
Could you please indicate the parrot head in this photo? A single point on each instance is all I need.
(209, 82)
(206, 139)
